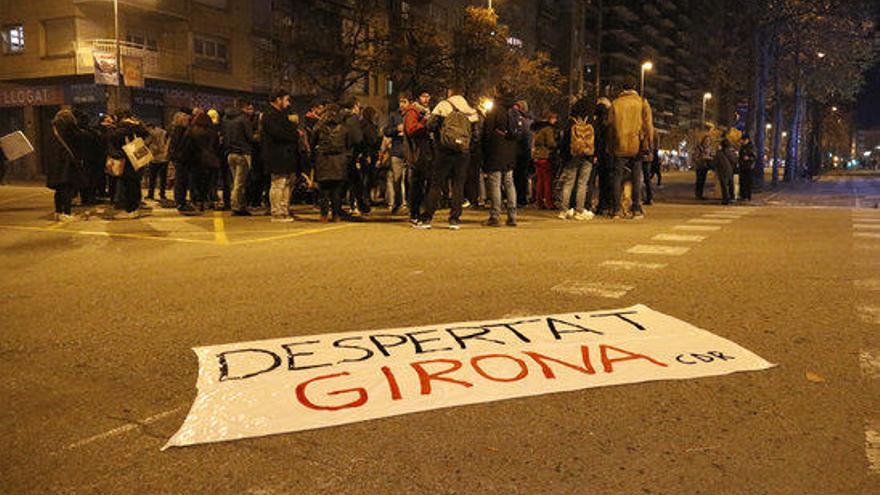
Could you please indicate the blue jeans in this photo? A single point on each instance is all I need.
(575, 179)
(496, 180)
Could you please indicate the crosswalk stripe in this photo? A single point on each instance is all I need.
(866, 226)
(869, 314)
(697, 228)
(866, 220)
(679, 238)
(867, 235)
(658, 249)
(872, 446)
(869, 362)
(632, 265)
(599, 289)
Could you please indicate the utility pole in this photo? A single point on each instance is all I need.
(599, 49)
(117, 97)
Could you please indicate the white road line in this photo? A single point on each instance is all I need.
(872, 446)
(122, 429)
(709, 221)
(679, 238)
(869, 362)
(632, 265)
(867, 235)
(697, 228)
(718, 216)
(867, 284)
(866, 226)
(658, 249)
(866, 220)
(869, 314)
(600, 289)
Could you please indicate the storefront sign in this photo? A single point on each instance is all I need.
(133, 71)
(261, 388)
(31, 96)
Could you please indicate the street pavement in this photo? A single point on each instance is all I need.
(98, 319)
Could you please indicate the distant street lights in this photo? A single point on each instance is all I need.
(706, 98)
(646, 67)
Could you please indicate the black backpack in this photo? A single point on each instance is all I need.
(332, 140)
(516, 125)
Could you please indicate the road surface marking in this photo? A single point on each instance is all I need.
(866, 226)
(658, 249)
(709, 221)
(679, 238)
(867, 235)
(697, 228)
(870, 314)
(600, 289)
(122, 429)
(104, 234)
(220, 229)
(869, 362)
(294, 234)
(866, 219)
(734, 216)
(632, 265)
(872, 446)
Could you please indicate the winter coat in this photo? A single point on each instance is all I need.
(395, 119)
(725, 162)
(280, 139)
(357, 143)
(94, 154)
(200, 147)
(632, 125)
(545, 140)
(238, 133)
(332, 166)
(499, 146)
(157, 142)
(127, 129)
(747, 158)
(63, 167)
(175, 146)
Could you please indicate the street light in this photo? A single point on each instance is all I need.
(833, 109)
(820, 54)
(769, 126)
(706, 98)
(646, 67)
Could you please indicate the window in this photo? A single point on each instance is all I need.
(13, 39)
(146, 40)
(211, 50)
(514, 42)
(60, 37)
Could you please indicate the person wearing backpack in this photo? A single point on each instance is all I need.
(542, 156)
(578, 153)
(331, 142)
(632, 132)
(451, 121)
(419, 153)
(500, 146)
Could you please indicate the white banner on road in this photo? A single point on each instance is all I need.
(261, 388)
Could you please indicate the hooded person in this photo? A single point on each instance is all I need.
(331, 145)
(500, 146)
(452, 122)
(65, 171)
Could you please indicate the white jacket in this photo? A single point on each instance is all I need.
(445, 107)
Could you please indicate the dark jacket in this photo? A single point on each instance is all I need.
(725, 161)
(280, 139)
(545, 140)
(200, 147)
(395, 119)
(127, 129)
(63, 167)
(499, 146)
(175, 147)
(330, 165)
(238, 133)
(747, 158)
(357, 142)
(94, 155)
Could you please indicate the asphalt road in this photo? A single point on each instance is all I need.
(98, 319)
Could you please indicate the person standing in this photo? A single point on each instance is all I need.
(200, 152)
(418, 147)
(330, 145)
(725, 163)
(500, 144)
(64, 173)
(394, 179)
(603, 168)
(521, 123)
(578, 155)
(747, 159)
(239, 139)
(128, 186)
(351, 116)
(157, 142)
(647, 167)
(182, 171)
(544, 150)
(280, 140)
(704, 155)
(452, 122)
(632, 132)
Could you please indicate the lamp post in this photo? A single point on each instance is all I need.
(646, 67)
(117, 96)
(706, 98)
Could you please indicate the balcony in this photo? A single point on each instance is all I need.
(159, 9)
(623, 13)
(158, 64)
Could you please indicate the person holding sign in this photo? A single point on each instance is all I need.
(128, 187)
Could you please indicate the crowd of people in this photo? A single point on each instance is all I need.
(422, 158)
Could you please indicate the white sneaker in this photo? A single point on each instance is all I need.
(282, 220)
(466, 204)
(584, 215)
(125, 215)
(566, 214)
(67, 218)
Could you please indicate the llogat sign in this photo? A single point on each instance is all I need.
(265, 387)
